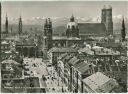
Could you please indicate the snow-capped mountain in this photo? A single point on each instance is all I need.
(63, 20)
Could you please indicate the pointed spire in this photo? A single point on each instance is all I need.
(123, 24)
(123, 33)
(6, 17)
(6, 24)
(20, 25)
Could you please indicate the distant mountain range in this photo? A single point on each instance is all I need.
(62, 20)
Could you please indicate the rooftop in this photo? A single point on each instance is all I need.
(86, 50)
(73, 60)
(99, 82)
(92, 28)
(82, 66)
(65, 38)
(4, 42)
(9, 61)
(62, 49)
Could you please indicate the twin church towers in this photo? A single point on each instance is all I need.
(73, 29)
(7, 26)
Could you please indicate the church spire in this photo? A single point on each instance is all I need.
(6, 24)
(123, 33)
(20, 25)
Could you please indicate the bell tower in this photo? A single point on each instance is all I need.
(6, 25)
(106, 18)
(48, 34)
(20, 26)
(109, 22)
(103, 15)
(72, 28)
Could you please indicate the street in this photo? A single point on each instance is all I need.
(48, 77)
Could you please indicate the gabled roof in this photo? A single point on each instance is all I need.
(92, 28)
(82, 66)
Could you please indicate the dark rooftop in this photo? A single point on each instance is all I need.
(92, 28)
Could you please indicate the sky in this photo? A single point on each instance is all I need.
(31, 9)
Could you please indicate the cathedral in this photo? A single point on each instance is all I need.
(77, 33)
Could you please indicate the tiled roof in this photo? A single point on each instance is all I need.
(99, 82)
(57, 49)
(82, 66)
(92, 28)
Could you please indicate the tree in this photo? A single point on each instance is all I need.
(123, 33)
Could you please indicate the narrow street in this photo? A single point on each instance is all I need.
(48, 77)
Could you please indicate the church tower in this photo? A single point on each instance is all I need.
(103, 15)
(123, 31)
(6, 25)
(48, 34)
(72, 28)
(20, 26)
(107, 19)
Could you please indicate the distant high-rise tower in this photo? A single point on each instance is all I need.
(106, 18)
(72, 28)
(48, 34)
(20, 25)
(6, 25)
(123, 33)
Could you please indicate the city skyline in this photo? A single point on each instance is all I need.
(64, 47)
(60, 9)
